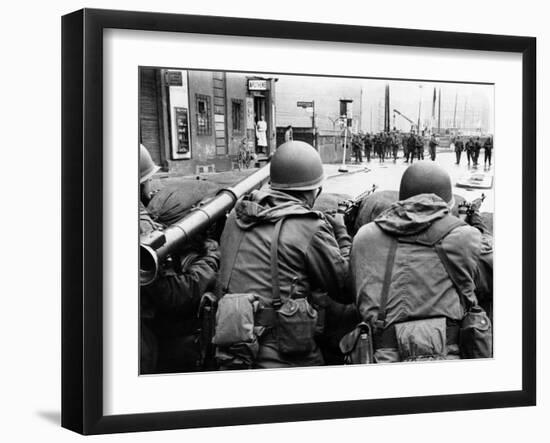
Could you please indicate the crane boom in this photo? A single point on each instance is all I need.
(404, 116)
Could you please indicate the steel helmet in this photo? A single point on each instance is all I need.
(296, 166)
(147, 166)
(425, 177)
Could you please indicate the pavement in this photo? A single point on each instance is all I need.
(361, 177)
(387, 176)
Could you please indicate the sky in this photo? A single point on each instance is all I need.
(474, 103)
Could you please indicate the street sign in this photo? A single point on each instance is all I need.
(304, 104)
(257, 85)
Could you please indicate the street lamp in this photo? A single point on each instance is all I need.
(346, 114)
(419, 107)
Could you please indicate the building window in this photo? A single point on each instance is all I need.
(204, 114)
(237, 110)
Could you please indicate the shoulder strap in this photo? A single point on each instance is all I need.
(233, 247)
(275, 289)
(467, 302)
(436, 232)
(381, 319)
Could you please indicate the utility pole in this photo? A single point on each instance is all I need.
(419, 107)
(347, 115)
(371, 118)
(361, 110)
(313, 125)
(387, 109)
(465, 107)
(439, 114)
(454, 115)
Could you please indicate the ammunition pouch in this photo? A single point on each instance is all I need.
(236, 335)
(296, 324)
(293, 325)
(357, 346)
(235, 319)
(425, 339)
(476, 335)
(422, 339)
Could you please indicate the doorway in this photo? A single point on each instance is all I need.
(260, 113)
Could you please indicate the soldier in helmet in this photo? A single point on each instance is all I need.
(147, 168)
(175, 295)
(418, 271)
(148, 340)
(169, 305)
(276, 253)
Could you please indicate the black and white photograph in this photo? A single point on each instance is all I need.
(290, 220)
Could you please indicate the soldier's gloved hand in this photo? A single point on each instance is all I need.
(210, 245)
(474, 219)
(337, 222)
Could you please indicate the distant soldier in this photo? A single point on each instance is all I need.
(459, 147)
(394, 146)
(470, 150)
(433, 147)
(288, 133)
(419, 144)
(368, 146)
(356, 145)
(488, 148)
(411, 148)
(276, 253)
(388, 144)
(418, 271)
(379, 146)
(477, 149)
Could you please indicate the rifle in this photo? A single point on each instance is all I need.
(350, 207)
(466, 209)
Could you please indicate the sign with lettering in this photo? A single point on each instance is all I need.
(174, 78)
(257, 84)
(304, 104)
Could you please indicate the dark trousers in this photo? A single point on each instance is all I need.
(432, 153)
(367, 153)
(409, 155)
(458, 155)
(358, 156)
(420, 153)
(469, 156)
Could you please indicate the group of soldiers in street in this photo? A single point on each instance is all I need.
(383, 145)
(293, 285)
(387, 144)
(473, 149)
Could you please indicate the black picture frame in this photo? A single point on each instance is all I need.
(82, 218)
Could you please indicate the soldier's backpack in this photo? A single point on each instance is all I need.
(475, 330)
(475, 333)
